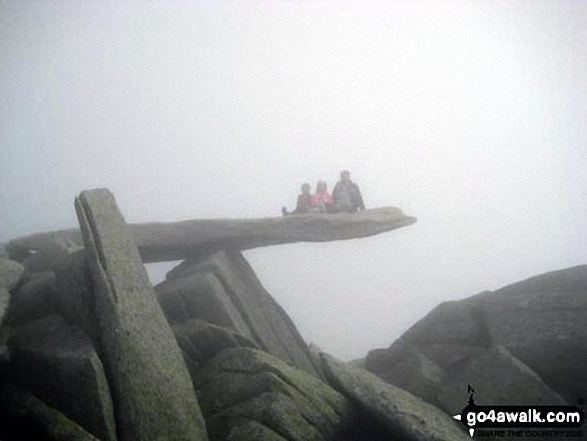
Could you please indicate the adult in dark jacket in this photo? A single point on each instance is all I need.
(346, 194)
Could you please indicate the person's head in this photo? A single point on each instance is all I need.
(345, 176)
(306, 188)
(321, 186)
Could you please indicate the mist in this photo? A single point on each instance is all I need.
(470, 116)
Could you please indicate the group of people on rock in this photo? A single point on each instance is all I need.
(346, 198)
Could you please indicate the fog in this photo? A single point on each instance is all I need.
(471, 116)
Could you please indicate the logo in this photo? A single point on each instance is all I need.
(516, 421)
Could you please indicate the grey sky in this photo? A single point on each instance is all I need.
(471, 116)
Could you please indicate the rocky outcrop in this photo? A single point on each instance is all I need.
(74, 296)
(58, 363)
(24, 416)
(96, 356)
(247, 390)
(532, 333)
(253, 431)
(3, 251)
(159, 242)
(34, 298)
(498, 378)
(404, 415)
(200, 341)
(153, 394)
(407, 368)
(10, 275)
(225, 291)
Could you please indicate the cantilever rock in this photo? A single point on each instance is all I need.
(160, 242)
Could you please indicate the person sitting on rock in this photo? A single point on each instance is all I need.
(346, 195)
(322, 201)
(304, 204)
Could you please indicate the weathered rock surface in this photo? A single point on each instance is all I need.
(34, 298)
(498, 377)
(74, 298)
(10, 273)
(225, 291)
(160, 242)
(58, 363)
(4, 303)
(200, 341)
(407, 368)
(541, 321)
(153, 394)
(405, 416)
(3, 251)
(253, 431)
(44, 251)
(243, 385)
(24, 416)
(4, 352)
(200, 295)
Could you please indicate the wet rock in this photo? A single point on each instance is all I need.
(150, 383)
(58, 363)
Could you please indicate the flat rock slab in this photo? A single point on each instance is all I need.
(161, 242)
(151, 386)
(58, 363)
(405, 416)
